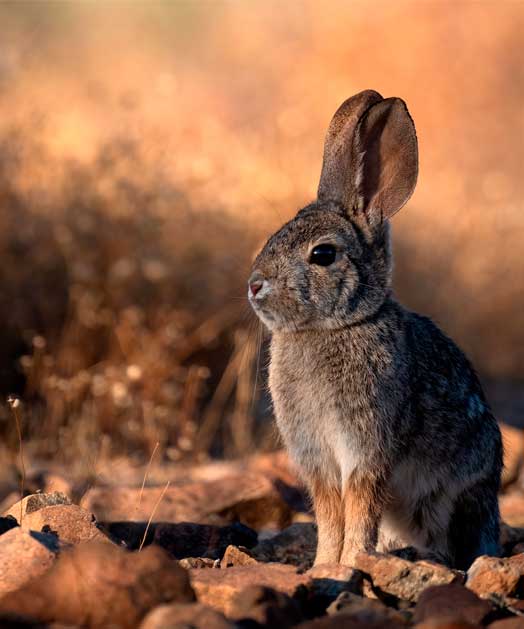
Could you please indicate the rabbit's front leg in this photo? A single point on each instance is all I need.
(363, 502)
(329, 515)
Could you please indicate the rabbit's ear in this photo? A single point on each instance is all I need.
(337, 181)
(385, 145)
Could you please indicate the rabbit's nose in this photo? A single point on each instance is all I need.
(256, 283)
(255, 286)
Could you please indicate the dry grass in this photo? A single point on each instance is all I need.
(145, 152)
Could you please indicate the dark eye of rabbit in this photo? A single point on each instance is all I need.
(323, 255)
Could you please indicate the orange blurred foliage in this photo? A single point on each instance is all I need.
(146, 148)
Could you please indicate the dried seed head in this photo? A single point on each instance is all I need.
(13, 401)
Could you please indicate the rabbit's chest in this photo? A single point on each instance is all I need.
(319, 409)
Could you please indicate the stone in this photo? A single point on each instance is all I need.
(512, 508)
(402, 579)
(70, 523)
(513, 440)
(101, 585)
(365, 610)
(25, 556)
(34, 502)
(451, 602)
(492, 575)
(296, 545)
(235, 556)
(182, 615)
(251, 498)
(265, 606)
(218, 588)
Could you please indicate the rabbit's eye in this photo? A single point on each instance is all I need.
(323, 255)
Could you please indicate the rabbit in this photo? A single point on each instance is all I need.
(381, 412)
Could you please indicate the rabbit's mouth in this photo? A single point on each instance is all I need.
(273, 318)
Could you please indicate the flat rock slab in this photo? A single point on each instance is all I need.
(24, 556)
(218, 588)
(100, 585)
(251, 499)
(403, 579)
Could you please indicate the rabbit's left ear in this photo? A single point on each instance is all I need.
(370, 157)
(385, 148)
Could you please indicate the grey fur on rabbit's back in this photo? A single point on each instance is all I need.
(381, 411)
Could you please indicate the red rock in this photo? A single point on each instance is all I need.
(251, 499)
(491, 575)
(235, 556)
(70, 523)
(179, 615)
(218, 588)
(100, 585)
(451, 602)
(512, 508)
(513, 440)
(401, 578)
(24, 556)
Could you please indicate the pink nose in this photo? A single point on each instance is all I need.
(255, 286)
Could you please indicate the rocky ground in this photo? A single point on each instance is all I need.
(229, 545)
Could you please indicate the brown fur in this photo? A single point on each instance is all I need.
(381, 411)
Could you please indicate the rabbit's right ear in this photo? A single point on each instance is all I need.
(337, 181)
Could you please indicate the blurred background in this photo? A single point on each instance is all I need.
(148, 149)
